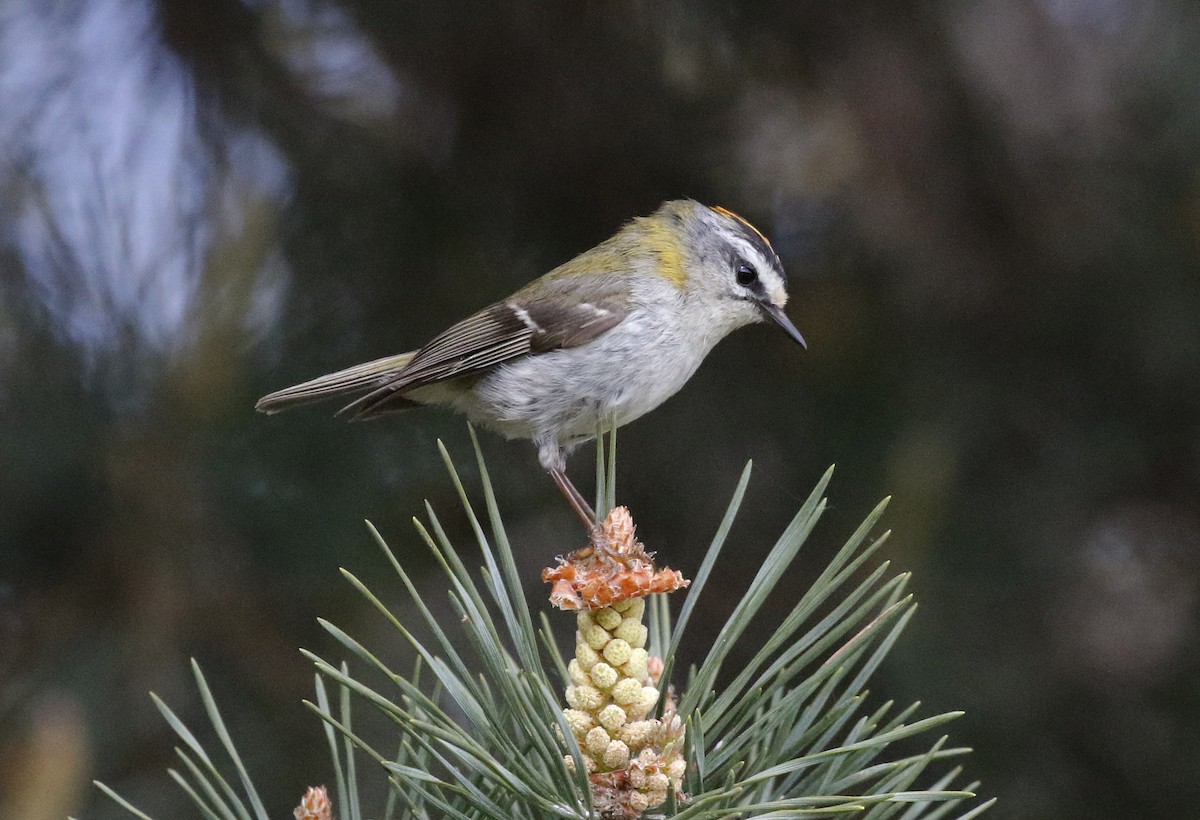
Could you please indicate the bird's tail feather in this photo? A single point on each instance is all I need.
(367, 376)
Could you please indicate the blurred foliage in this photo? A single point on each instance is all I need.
(990, 212)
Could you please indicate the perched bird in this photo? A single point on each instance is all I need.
(602, 339)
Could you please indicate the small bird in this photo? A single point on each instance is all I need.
(600, 340)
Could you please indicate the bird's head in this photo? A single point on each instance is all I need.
(727, 263)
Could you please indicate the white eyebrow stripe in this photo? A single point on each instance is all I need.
(749, 252)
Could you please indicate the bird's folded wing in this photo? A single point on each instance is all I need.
(519, 326)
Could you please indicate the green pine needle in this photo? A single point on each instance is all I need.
(478, 729)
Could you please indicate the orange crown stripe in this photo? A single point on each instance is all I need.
(729, 213)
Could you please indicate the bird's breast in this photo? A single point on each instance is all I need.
(621, 375)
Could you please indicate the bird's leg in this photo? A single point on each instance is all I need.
(575, 499)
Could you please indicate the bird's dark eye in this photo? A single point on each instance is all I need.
(746, 274)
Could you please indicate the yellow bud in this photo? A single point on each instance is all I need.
(596, 742)
(617, 651)
(586, 656)
(655, 798)
(637, 733)
(578, 721)
(631, 631)
(596, 637)
(577, 673)
(648, 698)
(587, 698)
(616, 756)
(658, 782)
(676, 771)
(570, 763)
(611, 717)
(621, 606)
(626, 691)
(603, 676)
(608, 618)
(638, 802)
(636, 666)
(583, 620)
(637, 608)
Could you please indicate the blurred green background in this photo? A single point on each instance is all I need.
(990, 213)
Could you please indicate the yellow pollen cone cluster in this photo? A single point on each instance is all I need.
(633, 760)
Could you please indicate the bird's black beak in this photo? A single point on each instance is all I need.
(780, 318)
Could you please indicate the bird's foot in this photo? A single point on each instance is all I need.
(575, 498)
